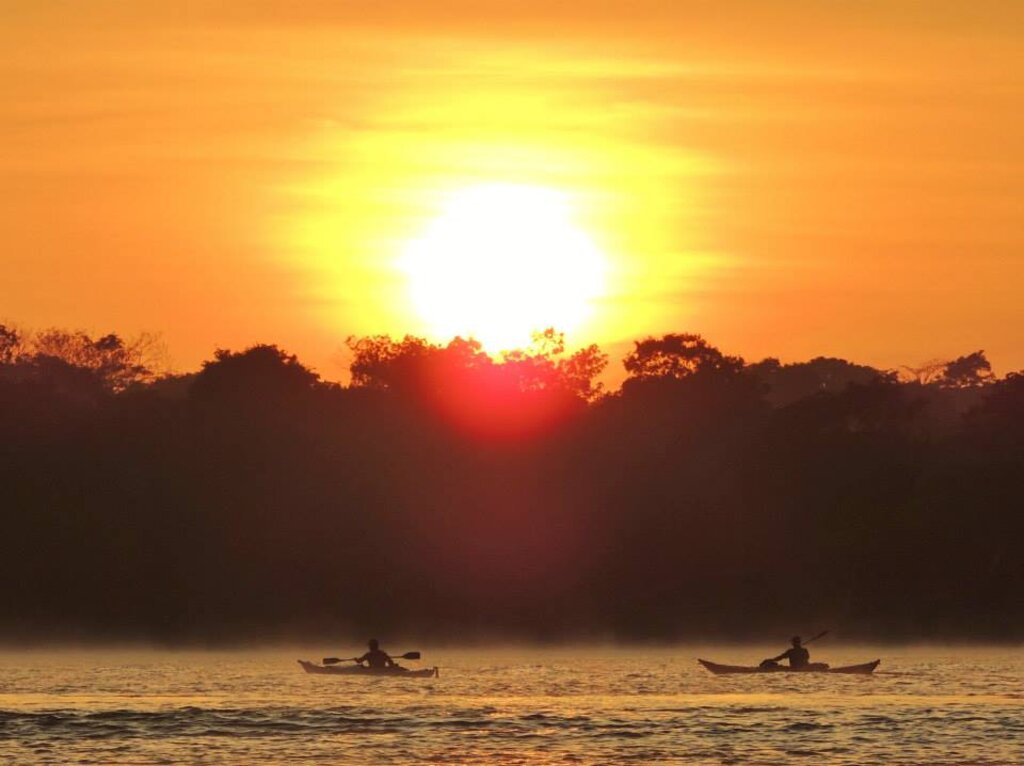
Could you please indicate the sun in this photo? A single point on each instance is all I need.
(500, 262)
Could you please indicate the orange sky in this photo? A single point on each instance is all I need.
(792, 178)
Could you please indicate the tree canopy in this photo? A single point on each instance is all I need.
(678, 355)
(447, 491)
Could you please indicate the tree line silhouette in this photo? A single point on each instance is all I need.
(448, 492)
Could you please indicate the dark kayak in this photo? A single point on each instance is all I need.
(814, 667)
(359, 670)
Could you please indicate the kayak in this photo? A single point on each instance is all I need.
(359, 670)
(814, 667)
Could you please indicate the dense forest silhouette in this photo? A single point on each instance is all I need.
(447, 492)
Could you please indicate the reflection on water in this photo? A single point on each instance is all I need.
(511, 706)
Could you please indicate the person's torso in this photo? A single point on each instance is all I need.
(376, 659)
(798, 656)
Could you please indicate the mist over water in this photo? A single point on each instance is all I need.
(534, 705)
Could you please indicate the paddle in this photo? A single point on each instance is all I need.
(336, 660)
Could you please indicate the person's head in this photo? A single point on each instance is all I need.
(373, 645)
(796, 640)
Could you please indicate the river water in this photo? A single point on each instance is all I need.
(512, 706)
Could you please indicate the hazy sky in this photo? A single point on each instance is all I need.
(790, 178)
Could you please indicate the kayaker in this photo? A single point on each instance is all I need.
(375, 658)
(797, 655)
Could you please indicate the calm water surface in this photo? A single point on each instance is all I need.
(511, 706)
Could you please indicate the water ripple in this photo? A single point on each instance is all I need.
(505, 708)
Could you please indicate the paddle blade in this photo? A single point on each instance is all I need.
(410, 656)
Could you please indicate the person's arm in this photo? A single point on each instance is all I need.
(388, 662)
(361, 660)
(782, 656)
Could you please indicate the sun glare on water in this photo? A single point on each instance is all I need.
(500, 262)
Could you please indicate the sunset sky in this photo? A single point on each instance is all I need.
(791, 178)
